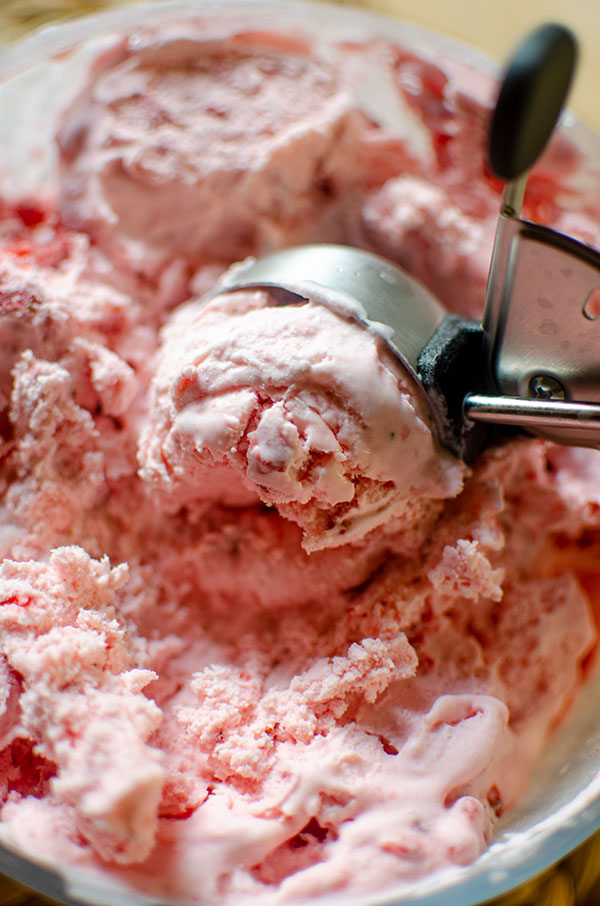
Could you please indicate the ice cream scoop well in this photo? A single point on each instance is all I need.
(532, 363)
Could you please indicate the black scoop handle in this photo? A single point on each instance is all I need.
(533, 92)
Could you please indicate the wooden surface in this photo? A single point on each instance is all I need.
(494, 28)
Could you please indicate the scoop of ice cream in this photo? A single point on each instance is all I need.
(299, 407)
(168, 129)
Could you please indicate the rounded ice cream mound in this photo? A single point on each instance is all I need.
(296, 406)
(170, 128)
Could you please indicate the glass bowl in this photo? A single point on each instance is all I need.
(38, 78)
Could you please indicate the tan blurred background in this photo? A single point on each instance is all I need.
(492, 25)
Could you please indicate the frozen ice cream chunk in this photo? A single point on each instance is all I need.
(63, 393)
(169, 129)
(296, 406)
(80, 692)
(51, 301)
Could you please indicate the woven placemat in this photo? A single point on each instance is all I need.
(575, 881)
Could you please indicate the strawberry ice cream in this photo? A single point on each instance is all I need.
(262, 638)
(308, 413)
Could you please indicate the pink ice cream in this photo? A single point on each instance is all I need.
(262, 638)
(277, 131)
(293, 406)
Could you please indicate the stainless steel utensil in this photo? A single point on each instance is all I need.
(534, 362)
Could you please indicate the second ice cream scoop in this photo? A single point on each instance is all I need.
(533, 361)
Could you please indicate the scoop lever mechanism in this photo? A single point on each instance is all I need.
(533, 363)
(541, 321)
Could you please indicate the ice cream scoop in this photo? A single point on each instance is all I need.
(532, 362)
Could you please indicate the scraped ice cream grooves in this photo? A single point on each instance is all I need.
(263, 640)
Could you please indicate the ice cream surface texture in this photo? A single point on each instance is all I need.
(261, 638)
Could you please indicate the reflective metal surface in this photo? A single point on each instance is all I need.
(537, 415)
(542, 328)
(386, 294)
